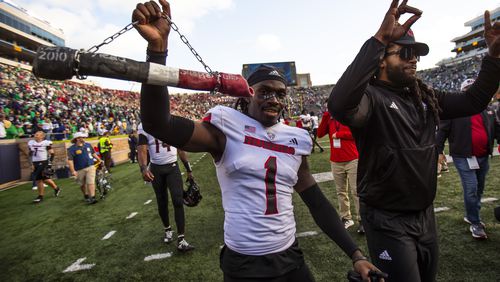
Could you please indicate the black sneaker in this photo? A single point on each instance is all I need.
(184, 246)
(361, 229)
(57, 192)
(92, 200)
(38, 199)
(478, 232)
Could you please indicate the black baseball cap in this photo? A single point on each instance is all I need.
(409, 40)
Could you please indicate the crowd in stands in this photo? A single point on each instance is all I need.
(60, 109)
(28, 104)
(449, 78)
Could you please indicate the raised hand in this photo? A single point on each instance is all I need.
(492, 35)
(152, 24)
(390, 29)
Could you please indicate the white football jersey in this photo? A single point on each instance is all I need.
(159, 152)
(39, 150)
(256, 173)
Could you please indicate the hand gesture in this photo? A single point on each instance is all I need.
(492, 35)
(390, 30)
(366, 269)
(152, 24)
(147, 175)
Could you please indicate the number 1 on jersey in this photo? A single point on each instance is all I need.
(271, 199)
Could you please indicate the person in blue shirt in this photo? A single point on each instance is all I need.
(81, 158)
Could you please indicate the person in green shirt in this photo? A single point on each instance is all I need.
(11, 131)
(19, 129)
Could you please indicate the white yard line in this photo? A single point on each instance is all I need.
(132, 215)
(107, 236)
(148, 202)
(488, 200)
(306, 234)
(157, 256)
(77, 266)
(441, 209)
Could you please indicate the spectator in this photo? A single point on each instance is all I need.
(132, 145)
(81, 158)
(3, 133)
(344, 163)
(105, 147)
(471, 143)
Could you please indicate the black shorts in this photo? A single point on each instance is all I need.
(39, 167)
(272, 267)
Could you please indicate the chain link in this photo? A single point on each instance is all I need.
(184, 40)
(110, 39)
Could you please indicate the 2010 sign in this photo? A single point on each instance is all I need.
(53, 55)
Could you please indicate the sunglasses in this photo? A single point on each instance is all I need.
(406, 53)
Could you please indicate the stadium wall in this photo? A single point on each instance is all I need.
(119, 155)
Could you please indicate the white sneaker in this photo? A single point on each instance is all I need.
(169, 236)
(347, 223)
(34, 188)
(184, 246)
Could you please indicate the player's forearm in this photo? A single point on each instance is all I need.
(142, 157)
(327, 218)
(155, 112)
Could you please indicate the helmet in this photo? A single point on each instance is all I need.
(192, 195)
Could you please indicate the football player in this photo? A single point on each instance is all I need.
(259, 163)
(163, 172)
(39, 150)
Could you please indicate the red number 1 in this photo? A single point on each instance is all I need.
(271, 199)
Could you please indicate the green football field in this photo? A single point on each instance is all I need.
(62, 238)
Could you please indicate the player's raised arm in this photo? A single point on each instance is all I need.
(347, 102)
(155, 106)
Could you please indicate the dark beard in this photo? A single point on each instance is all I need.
(397, 77)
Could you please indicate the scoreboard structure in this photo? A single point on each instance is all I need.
(287, 68)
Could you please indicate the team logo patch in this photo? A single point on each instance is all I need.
(250, 129)
(271, 135)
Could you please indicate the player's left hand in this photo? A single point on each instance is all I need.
(189, 175)
(363, 267)
(152, 26)
(492, 35)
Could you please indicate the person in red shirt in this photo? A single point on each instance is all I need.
(344, 162)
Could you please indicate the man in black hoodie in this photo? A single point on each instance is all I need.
(393, 117)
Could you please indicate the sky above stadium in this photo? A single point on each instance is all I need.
(321, 36)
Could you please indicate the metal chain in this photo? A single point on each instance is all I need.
(185, 41)
(110, 39)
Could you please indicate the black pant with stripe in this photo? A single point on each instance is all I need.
(169, 177)
(402, 244)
